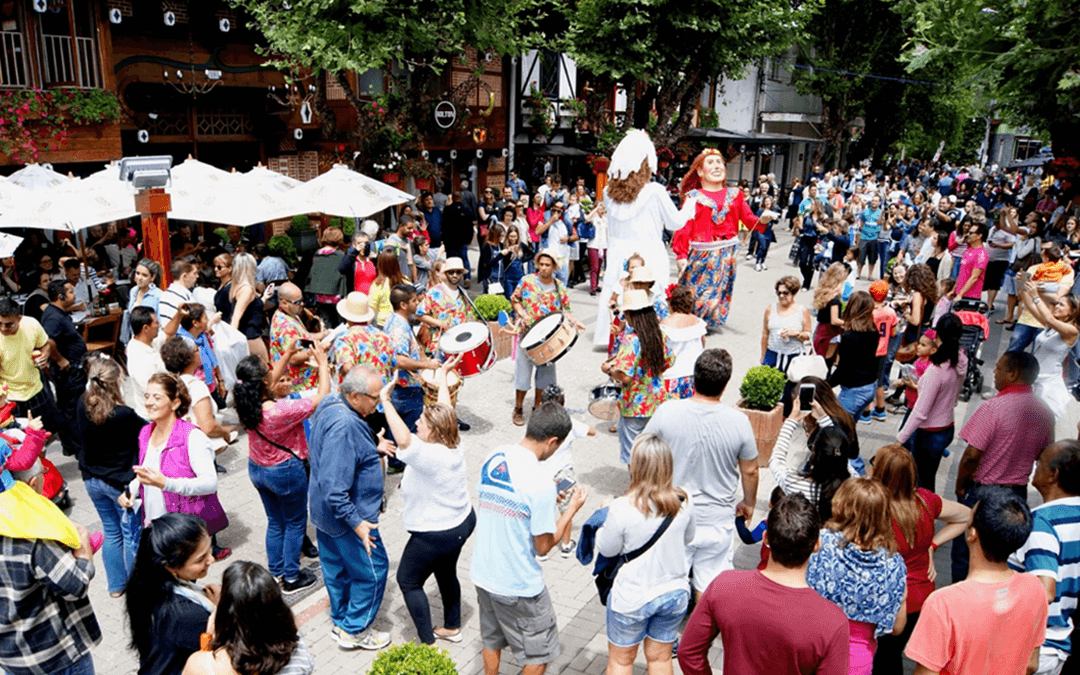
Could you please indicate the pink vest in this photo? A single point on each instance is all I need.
(175, 464)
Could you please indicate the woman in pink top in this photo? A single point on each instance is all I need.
(534, 215)
(913, 512)
(278, 453)
(930, 427)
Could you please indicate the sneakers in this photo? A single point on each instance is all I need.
(757, 267)
(306, 579)
(309, 549)
(879, 415)
(764, 266)
(463, 426)
(221, 552)
(450, 635)
(519, 417)
(865, 417)
(568, 550)
(541, 558)
(369, 639)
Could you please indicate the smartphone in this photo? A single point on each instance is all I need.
(366, 250)
(564, 485)
(305, 343)
(806, 397)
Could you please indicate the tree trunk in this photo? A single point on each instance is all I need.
(322, 108)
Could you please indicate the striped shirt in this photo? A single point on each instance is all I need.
(1053, 550)
(1011, 429)
(793, 482)
(174, 296)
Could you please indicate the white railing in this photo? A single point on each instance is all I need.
(12, 62)
(58, 67)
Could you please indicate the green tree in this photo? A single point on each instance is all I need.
(665, 52)
(1023, 53)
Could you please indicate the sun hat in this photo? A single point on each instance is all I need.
(642, 273)
(550, 254)
(453, 263)
(355, 308)
(635, 299)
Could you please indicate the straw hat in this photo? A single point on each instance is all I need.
(550, 253)
(354, 308)
(453, 264)
(635, 299)
(642, 273)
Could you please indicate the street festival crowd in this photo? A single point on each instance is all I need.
(346, 368)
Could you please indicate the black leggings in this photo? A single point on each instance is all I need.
(806, 260)
(890, 648)
(428, 553)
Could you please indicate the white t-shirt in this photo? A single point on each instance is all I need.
(201, 458)
(516, 501)
(707, 441)
(143, 361)
(599, 240)
(434, 488)
(662, 569)
(198, 390)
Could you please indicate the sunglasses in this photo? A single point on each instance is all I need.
(781, 294)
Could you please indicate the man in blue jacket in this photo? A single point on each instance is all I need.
(345, 493)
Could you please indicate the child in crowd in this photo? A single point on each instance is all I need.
(751, 537)
(886, 320)
(910, 374)
(424, 259)
(561, 466)
(944, 305)
(851, 261)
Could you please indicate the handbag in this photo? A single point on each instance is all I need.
(807, 364)
(604, 575)
(585, 229)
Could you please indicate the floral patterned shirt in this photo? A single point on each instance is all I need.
(440, 304)
(404, 344)
(285, 330)
(538, 302)
(644, 393)
(364, 346)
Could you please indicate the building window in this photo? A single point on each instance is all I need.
(69, 53)
(550, 63)
(12, 48)
(371, 82)
(776, 70)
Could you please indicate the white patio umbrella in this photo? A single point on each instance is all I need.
(272, 180)
(11, 195)
(348, 194)
(8, 244)
(36, 177)
(72, 206)
(192, 170)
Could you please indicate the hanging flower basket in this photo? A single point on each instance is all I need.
(424, 184)
(391, 178)
(600, 164)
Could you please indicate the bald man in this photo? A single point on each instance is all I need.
(285, 329)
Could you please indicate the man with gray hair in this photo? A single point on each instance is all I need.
(345, 495)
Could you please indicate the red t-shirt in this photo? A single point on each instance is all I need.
(917, 554)
(363, 275)
(885, 320)
(765, 628)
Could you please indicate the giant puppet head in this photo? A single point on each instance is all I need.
(632, 166)
(709, 172)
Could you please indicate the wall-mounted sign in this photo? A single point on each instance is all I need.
(445, 114)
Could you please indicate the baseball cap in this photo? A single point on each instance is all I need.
(879, 290)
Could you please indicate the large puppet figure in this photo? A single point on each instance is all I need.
(708, 245)
(638, 211)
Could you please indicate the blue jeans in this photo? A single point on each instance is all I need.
(355, 581)
(884, 249)
(657, 620)
(762, 239)
(855, 399)
(629, 429)
(1023, 337)
(84, 666)
(409, 403)
(283, 489)
(121, 528)
(928, 447)
(956, 267)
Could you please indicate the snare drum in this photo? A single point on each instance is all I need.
(604, 401)
(431, 388)
(473, 341)
(549, 338)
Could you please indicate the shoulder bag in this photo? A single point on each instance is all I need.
(605, 574)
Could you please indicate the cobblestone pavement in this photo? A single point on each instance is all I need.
(486, 402)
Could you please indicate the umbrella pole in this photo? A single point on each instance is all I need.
(154, 205)
(86, 268)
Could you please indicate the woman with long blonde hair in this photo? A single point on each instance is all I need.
(827, 302)
(913, 512)
(649, 596)
(239, 303)
(858, 568)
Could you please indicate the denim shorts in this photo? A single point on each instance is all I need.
(657, 620)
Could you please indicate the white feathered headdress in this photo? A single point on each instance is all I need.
(632, 150)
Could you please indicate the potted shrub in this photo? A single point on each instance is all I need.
(489, 307)
(282, 246)
(304, 236)
(413, 659)
(422, 171)
(760, 394)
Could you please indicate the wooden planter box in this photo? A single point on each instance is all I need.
(766, 426)
(503, 341)
(425, 184)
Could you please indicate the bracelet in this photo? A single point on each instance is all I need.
(934, 546)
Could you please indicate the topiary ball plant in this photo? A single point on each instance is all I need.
(490, 305)
(283, 247)
(762, 388)
(410, 658)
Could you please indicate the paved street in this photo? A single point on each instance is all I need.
(486, 403)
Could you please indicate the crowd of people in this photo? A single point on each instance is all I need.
(336, 371)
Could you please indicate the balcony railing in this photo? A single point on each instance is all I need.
(58, 67)
(12, 62)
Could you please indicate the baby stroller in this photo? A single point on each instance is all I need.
(973, 314)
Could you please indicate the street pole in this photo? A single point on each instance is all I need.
(153, 205)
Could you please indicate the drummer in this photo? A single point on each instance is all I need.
(443, 306)
(408, 395)
(362, 344)
(537, 296)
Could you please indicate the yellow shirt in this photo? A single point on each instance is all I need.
(380, 302)
(1064, 286)
(17, 368)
